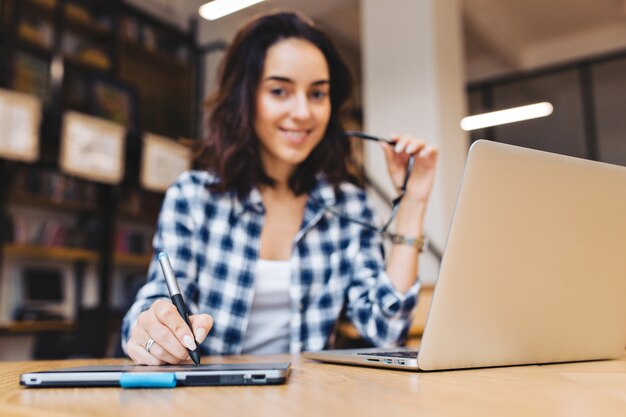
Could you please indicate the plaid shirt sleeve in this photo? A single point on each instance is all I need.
(174, 236)
(381, 314)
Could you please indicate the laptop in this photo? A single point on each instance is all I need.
(165, 376)
(534, 269)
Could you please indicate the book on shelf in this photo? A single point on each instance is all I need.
(141, 203)
(152, 39)
(115, 101)
(149, 37)
(55, 187)
(45, 3)
(53, 233)
(29, 229)
(37, 31)
(77, 12)
(31, 75)
(89, 15)
(84, 51)
(129, 241)
(37, 232)
(76, 90)
(129, 28)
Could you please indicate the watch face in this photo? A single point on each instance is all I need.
(417, 242)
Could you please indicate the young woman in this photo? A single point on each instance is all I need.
(263, 241)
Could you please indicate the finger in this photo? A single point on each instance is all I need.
(201, 325)
(136, 348)
(156, 350)
(387, 148)
(169, 316)
(141, 356)
(429, 151)
(402, 143)
(153, 323)
(396, 162)
(415, 146)
(390, 156)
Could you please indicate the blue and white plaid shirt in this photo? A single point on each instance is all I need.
(213, 240)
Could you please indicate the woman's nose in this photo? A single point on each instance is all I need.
(301, 109)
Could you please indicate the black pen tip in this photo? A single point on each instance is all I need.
(195, 357)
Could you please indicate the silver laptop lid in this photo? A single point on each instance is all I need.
(534, 269)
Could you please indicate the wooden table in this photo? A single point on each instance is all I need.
(320, 390)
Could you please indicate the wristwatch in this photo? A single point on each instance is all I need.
(417, 242)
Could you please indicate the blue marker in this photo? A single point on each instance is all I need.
(177, 298)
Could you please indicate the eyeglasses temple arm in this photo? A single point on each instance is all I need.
(362, 135)
(409, 169)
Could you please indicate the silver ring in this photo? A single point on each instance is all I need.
(149, 344)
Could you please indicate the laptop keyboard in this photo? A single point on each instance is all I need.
(409, 354)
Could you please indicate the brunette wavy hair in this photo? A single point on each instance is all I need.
(231, 145)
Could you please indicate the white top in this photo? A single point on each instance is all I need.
(268, 325)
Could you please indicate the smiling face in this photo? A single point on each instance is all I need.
(292, 105)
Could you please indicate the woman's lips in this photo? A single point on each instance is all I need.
(295, 136)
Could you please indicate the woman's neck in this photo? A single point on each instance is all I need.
(279, 171)
(279, 191)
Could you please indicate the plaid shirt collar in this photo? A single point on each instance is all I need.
(322, 195)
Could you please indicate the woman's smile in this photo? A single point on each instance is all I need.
(295, 136)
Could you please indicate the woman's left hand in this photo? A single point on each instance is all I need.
(422, 177)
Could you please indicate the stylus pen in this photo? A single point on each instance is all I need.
(177, 298)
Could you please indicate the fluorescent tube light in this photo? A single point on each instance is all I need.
(515, 114)
(219, 8)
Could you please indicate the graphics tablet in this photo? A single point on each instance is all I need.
(167, 376)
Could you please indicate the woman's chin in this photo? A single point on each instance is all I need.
(295, 159)
(296, 155)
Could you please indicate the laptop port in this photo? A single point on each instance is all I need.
(401, 362)
(258, 379)
(372, 360)
(389, 361)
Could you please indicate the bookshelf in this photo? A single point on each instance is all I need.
(111, 60)
(131, 260)
(49, 253)
(37, 326)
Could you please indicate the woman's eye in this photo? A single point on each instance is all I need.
(319, 95)
(278, 92)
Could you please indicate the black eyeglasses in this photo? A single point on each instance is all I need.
(396, 201)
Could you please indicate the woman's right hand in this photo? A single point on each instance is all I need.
(172, 337)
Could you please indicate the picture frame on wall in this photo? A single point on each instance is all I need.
(92, 148)
(115, 101)
(20, 120)
(162, 161)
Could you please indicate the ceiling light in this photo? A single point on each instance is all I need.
(219, 8)
(515, 114)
